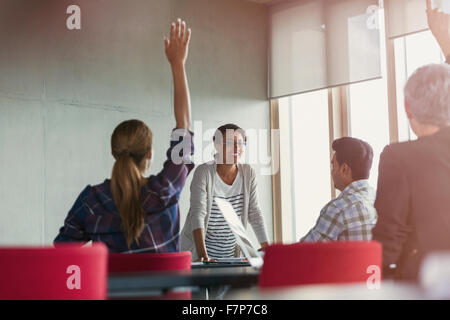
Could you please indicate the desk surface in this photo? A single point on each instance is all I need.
(388, 291)
(122, 284)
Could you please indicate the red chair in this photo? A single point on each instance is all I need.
(319, 263)
(141, 262)
(67, 272)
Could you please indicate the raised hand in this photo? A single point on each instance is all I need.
(439, 23)
(178, 45)
(176, 51)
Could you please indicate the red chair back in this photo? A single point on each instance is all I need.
(66, 272)
(141, 262)
(319, 263)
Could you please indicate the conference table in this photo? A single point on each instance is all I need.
(240, 283)
(207, 278)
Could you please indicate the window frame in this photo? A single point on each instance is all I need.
(339, 126)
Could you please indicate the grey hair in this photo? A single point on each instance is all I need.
(427, 92)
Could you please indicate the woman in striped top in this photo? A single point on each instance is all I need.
(206, 233)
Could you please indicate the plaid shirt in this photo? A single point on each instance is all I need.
(94, 216)
(351, 216)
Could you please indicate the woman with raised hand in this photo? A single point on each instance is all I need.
(131, 213)
(206, 233)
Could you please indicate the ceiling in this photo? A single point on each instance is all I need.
(260, 1)
(267, 2)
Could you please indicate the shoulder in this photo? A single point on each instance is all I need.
(104, 187)
(101, 186)
(332, 209)
(81, 205)
(205, 167)
(247, 170)
(399, 152)
(359, 206)
(100, 193)
(203, 171)
(402, 148)
(86, 193)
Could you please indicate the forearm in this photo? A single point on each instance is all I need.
(439, 23)
(255, 216)
(199, 240)
(257, 222)
(313, 236)
(182, 100)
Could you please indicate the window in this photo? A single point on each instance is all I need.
(310, 157)
(369, 119)
(361, 110)
(369, 113)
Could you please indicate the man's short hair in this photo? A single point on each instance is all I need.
(357, 154)
(427, 93)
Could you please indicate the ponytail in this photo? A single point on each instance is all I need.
(126, 179)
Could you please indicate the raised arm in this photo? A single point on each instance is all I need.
(177, 48)
(439, 23)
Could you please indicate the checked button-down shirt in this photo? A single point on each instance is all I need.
(349, 217)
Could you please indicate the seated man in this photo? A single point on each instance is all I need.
(351, 216)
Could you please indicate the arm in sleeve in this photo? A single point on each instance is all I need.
(73, 229)
(328, 227)
(392, 205)
(169, 182)
(198, 200)
(255, 216)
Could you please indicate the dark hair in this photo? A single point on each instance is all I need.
(356, 153)
(222, 131)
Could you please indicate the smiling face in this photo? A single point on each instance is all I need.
(230, 147)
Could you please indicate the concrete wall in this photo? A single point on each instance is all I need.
(62, 93)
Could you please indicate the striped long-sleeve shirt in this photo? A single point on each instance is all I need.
(94, 216)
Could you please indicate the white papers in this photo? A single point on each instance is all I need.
(239, 232)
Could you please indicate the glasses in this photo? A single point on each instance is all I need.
(234, 143)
